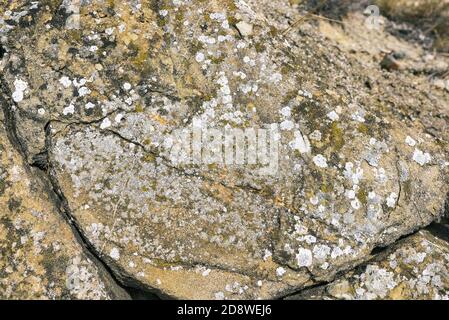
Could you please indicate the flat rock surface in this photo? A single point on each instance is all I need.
(413, 269)
(99, 104)
(39, 255)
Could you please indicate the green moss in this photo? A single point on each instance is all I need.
(161, 198)
(212, 166)
(139, 54)
(153, 184)
(217, 60)
(111, 4)
(273, 32)
(326, 187)
(232, 21)
(362, 128)
(231, 6)
(139, 108)
(260, 46)
(149, 158)
(362, 195)
(180, 17)
(308, 111)
(267, 191)
(2, 187)
(287, 69)
(336, 136)
(74, 36)
(289, 96)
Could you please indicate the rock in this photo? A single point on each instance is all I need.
(40, 257)
(338, 181)
(416, 268)
(245, 28)
(441, 84)
(390, 63)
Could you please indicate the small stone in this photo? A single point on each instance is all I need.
(390, 63)
(245, 28)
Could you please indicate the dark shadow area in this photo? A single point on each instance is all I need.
(138, 294)
(2, 52)
(439, 230)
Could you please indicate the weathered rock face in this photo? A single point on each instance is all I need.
(415, 268)
(39, 255)
(104, 103)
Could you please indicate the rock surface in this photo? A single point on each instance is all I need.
(362, 158)
(39, 255)
(415, 268)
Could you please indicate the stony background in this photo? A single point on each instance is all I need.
(92, 207)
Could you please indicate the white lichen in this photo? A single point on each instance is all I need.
(320, 161)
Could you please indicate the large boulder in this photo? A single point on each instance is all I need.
(40, 257)
(102, 103)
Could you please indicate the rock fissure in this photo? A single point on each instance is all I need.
(61, 202)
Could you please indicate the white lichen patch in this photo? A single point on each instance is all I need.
(114, 254)
(280, 271)
(315, 135)
(20, 87)
(333, 116)
(106, 123)
(219, 295)
(82, 280)
(391, 199)
(355, 175)
(69, 110)
(410, 141)
(286, 112)
(287, 125)
(421, 157)
(378, 281)
(199, 57)
(320, 161)
(127, 86)
(301, 143)
(304, 257)
(65, 81)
